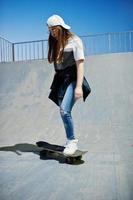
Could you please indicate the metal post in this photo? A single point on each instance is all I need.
(34, 50)
(13, 53)
(130, 39)
(1, 49)
(42, 51)
(109, 42)
(37, 50)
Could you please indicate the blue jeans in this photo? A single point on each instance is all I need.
(66, 105)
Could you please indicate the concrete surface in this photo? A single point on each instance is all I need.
(103, 124)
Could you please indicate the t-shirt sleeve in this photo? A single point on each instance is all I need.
(78, 49)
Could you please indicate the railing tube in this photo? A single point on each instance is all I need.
(13, 53)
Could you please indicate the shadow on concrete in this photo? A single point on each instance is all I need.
(26, 147)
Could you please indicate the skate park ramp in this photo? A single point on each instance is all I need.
(103, 125)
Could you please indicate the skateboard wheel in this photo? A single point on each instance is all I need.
(70, 160)
(44, 152)
(78, 158)
(51, 152)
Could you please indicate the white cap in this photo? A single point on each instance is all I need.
(56, 20)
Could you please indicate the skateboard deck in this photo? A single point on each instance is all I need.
(53, 148)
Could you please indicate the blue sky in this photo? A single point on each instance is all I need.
(25, 20)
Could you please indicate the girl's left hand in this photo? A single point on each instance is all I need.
(78, 93)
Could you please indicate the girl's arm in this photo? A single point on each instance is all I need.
(80, 75)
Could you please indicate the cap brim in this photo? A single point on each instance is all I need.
(57, 24)
(66, 26)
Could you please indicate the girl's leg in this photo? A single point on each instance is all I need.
(66, 106)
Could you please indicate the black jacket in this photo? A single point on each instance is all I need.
(64, 78)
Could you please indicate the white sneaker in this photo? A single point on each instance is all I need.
(71, 147)
(65, 144)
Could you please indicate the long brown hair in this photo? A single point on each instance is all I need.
(56, 47)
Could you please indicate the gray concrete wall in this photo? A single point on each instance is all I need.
(24, 87)
(103, 125)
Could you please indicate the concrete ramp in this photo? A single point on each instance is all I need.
(103, 124)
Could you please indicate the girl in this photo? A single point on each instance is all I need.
(69, 84)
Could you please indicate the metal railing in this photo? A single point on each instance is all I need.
(32, 50)
(108, 43)
(94, 44)
(6, 50)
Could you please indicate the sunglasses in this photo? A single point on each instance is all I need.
(53, 30)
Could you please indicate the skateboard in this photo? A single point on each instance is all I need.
(53, 148)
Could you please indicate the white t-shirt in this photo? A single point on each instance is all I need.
(75, 44)
(73, 51)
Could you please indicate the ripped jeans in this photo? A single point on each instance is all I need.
(66, 105)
